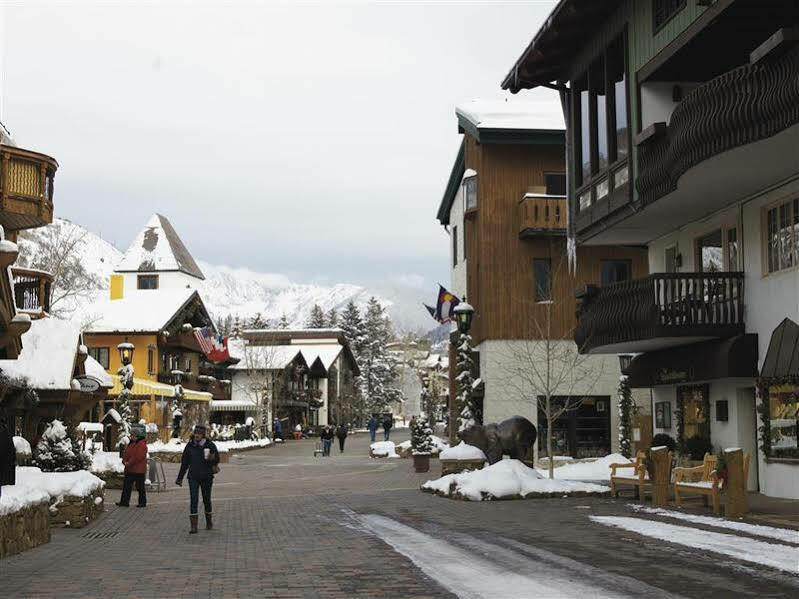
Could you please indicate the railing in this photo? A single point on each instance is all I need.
(542, 214)
(197, 382)
(26, 188)
(32, 290)
(660, 305)
(747, 104)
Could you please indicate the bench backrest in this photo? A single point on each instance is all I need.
(708, 466)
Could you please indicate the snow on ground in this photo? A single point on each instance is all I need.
(106, 461)
(781, 534)
(462, 451)
(177, 446)
(22, 446)
(774, 555)
(34, 486)
(505, 479)
(384, 449)
(234, 445)
(596, 470)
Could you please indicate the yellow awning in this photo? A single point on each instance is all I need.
(147, 387)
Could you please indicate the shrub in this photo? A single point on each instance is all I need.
(696, 447)
(663, 439)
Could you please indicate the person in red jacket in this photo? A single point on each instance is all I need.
(135, 461)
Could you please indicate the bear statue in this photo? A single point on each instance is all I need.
(514, 437)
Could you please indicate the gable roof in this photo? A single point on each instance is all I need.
(48, 357)
(510, 121)
(782, 357)
(158, 248)
(263, 357)
(141, 311)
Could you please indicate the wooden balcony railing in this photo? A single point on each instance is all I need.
(26, 188)
(660, 310)
(747, 104)
(542, 214)
(197, 382)
(32, 291)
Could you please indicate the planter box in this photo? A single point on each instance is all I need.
(456, 466)
(77, 512)
(421, 463)
(113, 480)
(24, 529)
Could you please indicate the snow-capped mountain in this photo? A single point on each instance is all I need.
(228, 290)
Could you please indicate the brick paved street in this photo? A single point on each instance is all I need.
(291, 525)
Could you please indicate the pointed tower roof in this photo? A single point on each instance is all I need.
(158, 248)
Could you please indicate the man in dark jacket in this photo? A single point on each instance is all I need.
(135, 460)
(277, 429)
(8, 457)
(372, 426)
(200, 456)
(341, 433)
(388, 422)
(326, 435)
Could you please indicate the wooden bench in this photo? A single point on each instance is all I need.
(637, 478)
(709, 483)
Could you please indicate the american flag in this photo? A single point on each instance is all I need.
(213, 346)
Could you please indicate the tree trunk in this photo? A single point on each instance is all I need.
(549, 439)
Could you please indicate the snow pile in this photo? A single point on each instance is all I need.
(505, 480)
(177, 446)
(22, 446)
(224, 446)
(384, 449)
(462, 451)
(596, 470)
(34, 486)
(90, 427)
(439, 445)
(107, 461)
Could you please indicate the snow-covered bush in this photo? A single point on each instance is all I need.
(57, 452)
(421, 436)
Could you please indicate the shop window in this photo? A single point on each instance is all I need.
(615, 271)
(782, 236)
(147, 281)
(542, 273)
(784, 413)
(101, 354)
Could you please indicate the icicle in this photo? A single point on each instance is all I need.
(571, 253)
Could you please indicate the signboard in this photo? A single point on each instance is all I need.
(88, 384)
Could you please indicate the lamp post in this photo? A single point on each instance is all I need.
(465, 412)
(463, 315)
(126, 350)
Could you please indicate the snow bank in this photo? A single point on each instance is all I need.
(22, 446)
(34, 486)
(439, 445)
(233, 445)
(505, 479)
(596, 470)
(177, 446)
(90, 427)
(462, 451)
(384, 449)
(107, 461)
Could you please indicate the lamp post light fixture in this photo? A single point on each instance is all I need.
(624, 362)
(463, 315)
(126, 352)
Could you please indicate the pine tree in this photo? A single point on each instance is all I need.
(332, 319)
(626, 409)
(352, 325)
(317, 318)
(379, 368)
(235, 329)
(257, 322)
(57, 452)
(123, 404)
(464, 401)
(284, 322)
(421, 436)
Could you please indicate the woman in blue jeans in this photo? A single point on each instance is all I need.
(200, 458)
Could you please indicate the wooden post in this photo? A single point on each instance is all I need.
(661, 464)
(733, 494)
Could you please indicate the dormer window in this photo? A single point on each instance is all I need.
(147, 282)
(470, 193)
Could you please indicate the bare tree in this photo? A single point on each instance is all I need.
(257, 381)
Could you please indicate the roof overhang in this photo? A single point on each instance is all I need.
(453, 183)
(497, 135)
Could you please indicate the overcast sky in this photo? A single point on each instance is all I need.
(313, 140)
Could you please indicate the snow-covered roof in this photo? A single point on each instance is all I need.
(158, 248)
(95, 370)
(139, 311)
(48, 355)
(511, 113)
(326, 353)
(261, 357)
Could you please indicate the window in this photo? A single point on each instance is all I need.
(583, 145)
(782, 236)
(100, 354)
(187, 364)
(542, 272)
(784, 417)
(599, 114)
(147, 281)
(555, 184)
(470, 193)
(617, 94)
(454, 246)
(663, 11)
(150, 360)
(615, 271)
(709, 253)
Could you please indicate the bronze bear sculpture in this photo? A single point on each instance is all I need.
(513, 437)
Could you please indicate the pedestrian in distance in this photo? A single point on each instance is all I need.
(201, 461)
(327, 439)
(134, 458)
(341, 433)
(277, 429)
(388, 422)
(372, 426)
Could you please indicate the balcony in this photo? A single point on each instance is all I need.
(26, 188)
(662, 310)
(32, 291)
(541, 214)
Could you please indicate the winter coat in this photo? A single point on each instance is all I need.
(341, 432)
(194, 460)
(372, 424)
(135, 457)
(387, 424)
(327, 434)
(8, 457)
(277, 426)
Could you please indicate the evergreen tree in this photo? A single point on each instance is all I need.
(464, 401)
(257, 322)
(332, 318)
(379, 368)
(57, 452)
(317, 318)
(235, 329)
(284, 322)
(626, 409)
(352, 325)
(421, 436)
(123, 404)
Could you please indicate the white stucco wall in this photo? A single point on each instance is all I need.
(457, 273)
(657, 102)
(166, 280)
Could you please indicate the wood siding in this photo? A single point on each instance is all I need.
(500, 266)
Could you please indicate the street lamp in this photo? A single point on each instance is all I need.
(624, 362)
(463, 315)
(125, 352)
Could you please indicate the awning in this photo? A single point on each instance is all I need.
(735, 357)
(232, 405)
(147, 387)
(782, 357)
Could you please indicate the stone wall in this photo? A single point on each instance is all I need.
(174, 457)
(77, 512)
(24, 529)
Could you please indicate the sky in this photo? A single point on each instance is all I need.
(312, 140)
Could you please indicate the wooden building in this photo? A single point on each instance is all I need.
(506, 213)
(683, 134)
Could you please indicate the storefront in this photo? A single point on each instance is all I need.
(582, 432)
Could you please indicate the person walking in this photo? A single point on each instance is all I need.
(372, 426)
(200, 459)
(134, 459)
(341, 433)
(327, 439)
(277, 428)
(388, 422)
